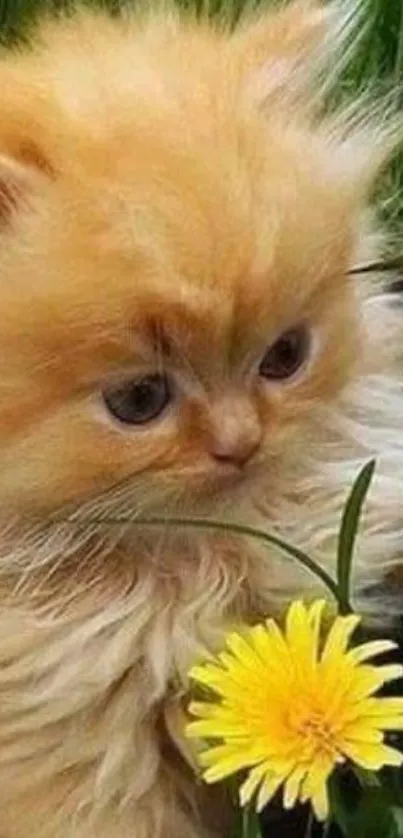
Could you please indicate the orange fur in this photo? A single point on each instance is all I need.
(171, 196)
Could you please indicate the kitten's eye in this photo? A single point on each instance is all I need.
(286, 355)
(139, 401)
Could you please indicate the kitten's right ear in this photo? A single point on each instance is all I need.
(20, 178)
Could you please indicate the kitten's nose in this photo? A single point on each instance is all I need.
(235, 432)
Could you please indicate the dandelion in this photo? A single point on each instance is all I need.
(288, 707)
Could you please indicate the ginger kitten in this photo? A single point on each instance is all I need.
(180, 336)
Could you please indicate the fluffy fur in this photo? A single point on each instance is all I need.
(171, 194)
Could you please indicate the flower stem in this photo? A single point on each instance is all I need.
(309, 825)
(250, 824)
(241, 530)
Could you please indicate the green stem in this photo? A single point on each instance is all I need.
(242, 530)
(309, 825)
(250, 824)
(326, 829)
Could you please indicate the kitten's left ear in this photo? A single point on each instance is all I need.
(275, 50)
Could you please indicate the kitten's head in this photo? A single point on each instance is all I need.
(177, 227)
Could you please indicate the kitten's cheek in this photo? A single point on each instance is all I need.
(71, 457)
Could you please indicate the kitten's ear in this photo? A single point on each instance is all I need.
(273, 50)
(20, 178)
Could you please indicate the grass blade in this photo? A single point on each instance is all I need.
(348, 532)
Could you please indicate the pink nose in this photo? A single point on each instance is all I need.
(235, 432)
(235, 452)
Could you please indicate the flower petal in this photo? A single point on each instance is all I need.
(227, 763)
(338, 638)
(315, 619)
(212, 729)
(368, 679)
(251, 783)
(314, 787)
(361, 732)
(243, 652)
(390, 705)
(210, 756)
(373, 757)
(202, 709)
(209, 675)
(320, 802)
(362, 653)
(266, 647)
(292, 786)
(270, 784)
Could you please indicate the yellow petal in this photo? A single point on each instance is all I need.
(211, 729)
(392, 672)
(277, 638)
(270, 784)
(338, 638)
(361, 732)
(391, 723)
(373, 711)
(265, 646)
(223, 767)
(371, 650)
(251, 783)
(292, 786)
(320, 802)
(300, 639)
(243, 753)
(243, 652)
(383, 706)
(314, 787)
(239, 676)
(315, 619)
(209, 676)
(368, 679)
(373, 757)
(296, 624)
(203, 709)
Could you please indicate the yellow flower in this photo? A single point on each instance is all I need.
(290, 707)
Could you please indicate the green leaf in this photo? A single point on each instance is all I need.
(348, 532)
(368, 813)
(374, 818)
(397, 812)
(344, 795)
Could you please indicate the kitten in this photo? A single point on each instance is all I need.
(180, 336)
